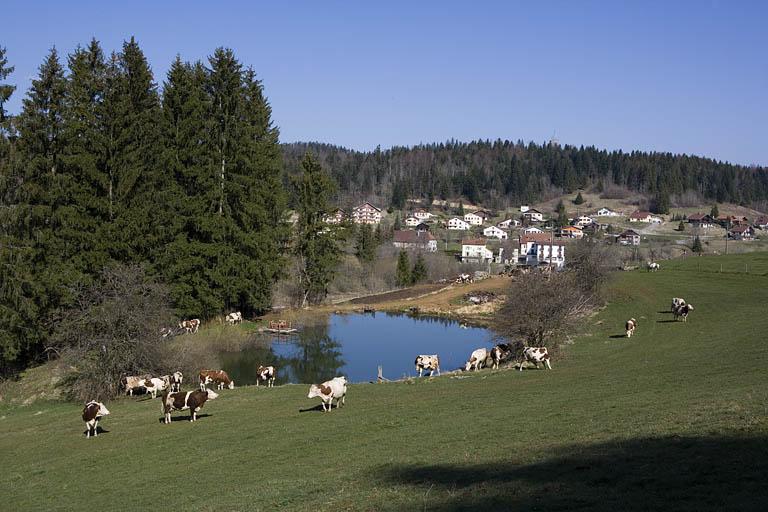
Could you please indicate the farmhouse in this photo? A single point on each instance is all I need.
(412, 222)
(458, 224)
(337, 216)
(582, 221)
(475, 251)
(742, 232)
(422, 214)
(643, 216)
(571, 232)
(701, 220)
(524, 208)
(494, 232)
(540, 249)
(366, 213)
(473, 219)
(761, 222)
(629, 237)
(533, 215)
(508, 223)
(531, 229)
(607, 212)
(410, 239)
(732, 220)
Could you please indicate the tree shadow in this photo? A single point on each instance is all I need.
(183, 418)
(669, 473)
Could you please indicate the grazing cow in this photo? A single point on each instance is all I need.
(631, 324)
(328, 390)
(190, 326)
(499, 353)
(536, 355)
(130, 383)
(155, 384)
(653, 266)
(166, 332)
(677, 302)
(682, 311)
(234, 318)
(92, 413)
(218, 377)
(427, 362)
(175, 379)
(266, 374)
(477, 359)
(192, 400)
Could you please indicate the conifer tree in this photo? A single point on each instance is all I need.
(579, 199)
(681, 226)
(697, 247)
(6, 90)
(715, 212)
(419, 271)
(365, 247)
(403, 272)
(562, 216)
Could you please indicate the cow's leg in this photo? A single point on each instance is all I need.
(419, 372)
(95, 428)
(546, 362)
(257, 381)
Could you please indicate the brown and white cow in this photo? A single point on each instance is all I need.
(175, 379)
(630, 327)
(92, 413)
(218, 377)
(192, 400)
(677, 302)
(535, 355)
(682, 311)
(155, 384)
(190, 326)
(427, 362)
(328, 390)
(477, 359)
(234, 318)
(131, 383)
(266, 374)
(499, 353)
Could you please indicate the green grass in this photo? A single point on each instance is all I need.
(674, 418)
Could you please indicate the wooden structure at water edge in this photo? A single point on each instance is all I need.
(280, 327)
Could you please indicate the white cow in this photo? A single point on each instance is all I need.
(653, 266)
(234, 318)
(328, 390)
(676, 303)
(427, 362)
(131, 382)
(477, 359)
(536, 355)
(156, 384)
(631, 324)
(682, 311)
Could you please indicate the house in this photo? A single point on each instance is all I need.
(593, 228)
(473, 219)
(508, 223)
(409, 239)
(422, 214)
(475, 250)
(495, 232)
(629, 237)
(541, 249)
(530, 230)
(485, 214)
(732, 220)
(412, 222)
(701, 220)
(582, 221)
(336, 216)
(533, 215)
(607, 212)
(643, 216)
(761, 222)
(458, 224)
(571, 232)
(524, 208)
(422, 226)
(366, 213)
(741, 232)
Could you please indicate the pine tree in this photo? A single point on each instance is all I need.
(562, 216)
(403, 272)
(419, 271)
(365, 247)
(661, 202)
(316, 244)
(6, 90)
(715, 212)
(681, 226)
(460, 210)
(579, 199)
(697, 247)
(398, 225)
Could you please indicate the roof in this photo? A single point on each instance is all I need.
(629, 232)
(494, 227)
(474, 241)
(532, 210)
(762, 220)
(639, 214)
(456, 218)
(700, 217)
(535, 237)
(740, 228)
(368, 204)
(412, 237)
(571, 228)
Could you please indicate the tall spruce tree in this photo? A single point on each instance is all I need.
(403, 270)
(365, 247)
(714, 212)
(6, 90)
(419, 271)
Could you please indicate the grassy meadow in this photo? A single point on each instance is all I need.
(675, 418)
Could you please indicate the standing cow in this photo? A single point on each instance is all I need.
(190, 326)
(676, 303)
(218, 377)
(682, 311)
(477, 359)
(653, 266)
(535, 355)
(155, 384)
(192, 400)
(266, 374)
(92, 413)
(499, 353)
(328, 390)
(175, 379)
(234, 318)
(630, 326)
(427, 362)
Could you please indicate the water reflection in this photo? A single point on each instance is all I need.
(354, 345)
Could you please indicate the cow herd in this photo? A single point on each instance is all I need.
(679, 308)
(504, 352)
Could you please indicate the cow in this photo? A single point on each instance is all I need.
(328, 390)
(190, 326)
(682, 311)
(535, 355)
(631, 324)
(167, 332)
(266, 374)
(175, 379)
(192, 400)
(131, 383)
(477, 359)
(92, 413)
(677, 302)
(653, 266)
(499, 353)
(427, 362)
(218, 377)
(234, 318)
(155, 384)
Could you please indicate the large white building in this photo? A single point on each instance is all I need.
(366, 213)
(458, 224)
(495, 232)
(473, 219)
(541, 249)
(475, 250)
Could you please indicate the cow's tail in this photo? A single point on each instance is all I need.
(165, 401)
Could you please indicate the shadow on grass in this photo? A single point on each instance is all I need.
(99, 431)
(184, 418)
(670, 473)
(617, 336)
(317, 408)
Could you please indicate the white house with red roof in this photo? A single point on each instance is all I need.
(542, 249)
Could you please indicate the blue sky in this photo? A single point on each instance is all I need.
(685, 77)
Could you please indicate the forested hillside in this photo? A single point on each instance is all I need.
(101, 168)
(500, 173)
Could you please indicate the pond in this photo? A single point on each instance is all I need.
(354, 346)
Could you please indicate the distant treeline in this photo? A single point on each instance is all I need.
(101, 168)
(500, 173)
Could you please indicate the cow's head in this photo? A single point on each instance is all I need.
(315, 391)
(212, 395)
(231, 384)
(103, 411)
